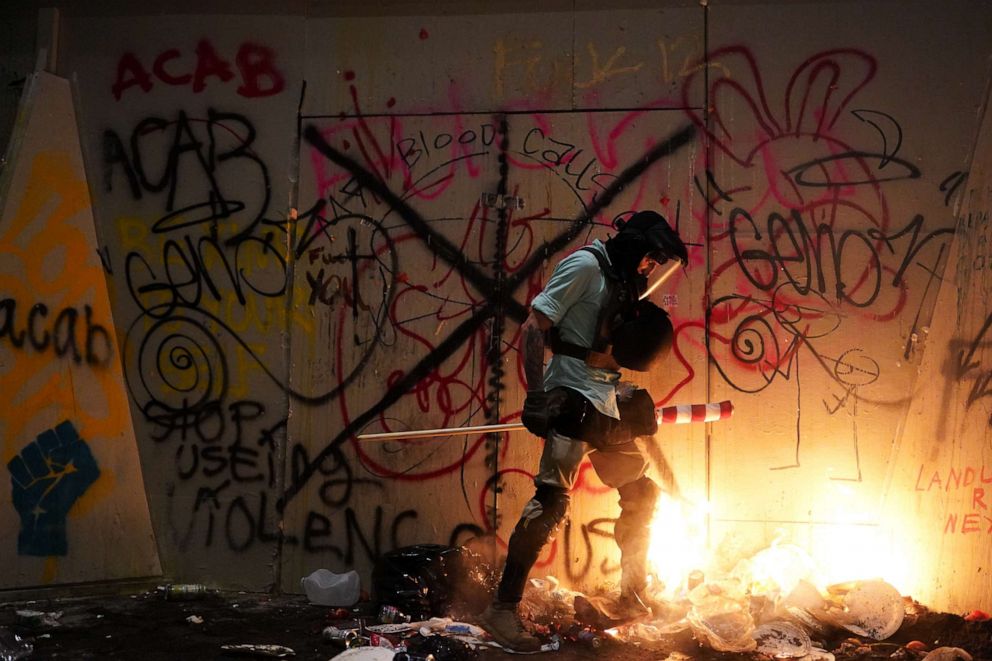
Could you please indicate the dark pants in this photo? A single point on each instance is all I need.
(621, 467)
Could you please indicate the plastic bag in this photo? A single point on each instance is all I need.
(721, 618)
(325, 588)
(873, 609)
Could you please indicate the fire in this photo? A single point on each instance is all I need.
(678, 541)
(778, 569)
(848, 545)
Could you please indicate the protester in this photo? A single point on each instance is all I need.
(594, 316)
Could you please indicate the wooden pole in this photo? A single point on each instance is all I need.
(679, 414)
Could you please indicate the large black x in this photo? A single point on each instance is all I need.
(500, 298)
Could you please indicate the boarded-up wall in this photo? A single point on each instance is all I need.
(440, 163)
(75, 510)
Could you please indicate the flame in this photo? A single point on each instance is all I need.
(678, 541)
(856, 547)
(850, 546)
(778, 569)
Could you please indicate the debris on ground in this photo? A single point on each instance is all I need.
(428, 598)
(13, 647)
(272, 651)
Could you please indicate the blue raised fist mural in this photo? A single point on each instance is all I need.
(47, 478)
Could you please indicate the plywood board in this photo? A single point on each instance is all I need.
(66, 439)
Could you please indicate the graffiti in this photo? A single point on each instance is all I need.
(964, 364)
(809, 254)
(768, 332)
(952, 478)
(494, 294)
(259, 75)
(412, 149)
(47, 478)
(886, 125)
(91, 342)
(407, 304)
(321, 537)
(558, 153)
(221, 156)
(973, 501)
(821, 257)
(602, 73)
(539, 67)
(951, 184)
(607, 565)
(970, 523)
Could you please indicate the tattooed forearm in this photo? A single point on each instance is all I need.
(532, 348)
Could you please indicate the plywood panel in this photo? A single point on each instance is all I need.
(395, 293)
(481, 58)
(937, 501)
(831, 228)
(66, 437)
(188, 135)
(413, 218)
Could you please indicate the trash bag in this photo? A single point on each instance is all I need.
(431, 580)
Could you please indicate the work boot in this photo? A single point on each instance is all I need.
(504, 625)
(631, 606)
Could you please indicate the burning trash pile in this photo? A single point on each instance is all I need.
(427, 597)
(746, 611)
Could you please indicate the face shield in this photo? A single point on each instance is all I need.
(654, 272)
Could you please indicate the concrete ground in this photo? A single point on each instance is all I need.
(145, 626)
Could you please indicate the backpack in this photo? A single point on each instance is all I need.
(637, 333)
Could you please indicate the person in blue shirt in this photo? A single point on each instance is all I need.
(594, 317)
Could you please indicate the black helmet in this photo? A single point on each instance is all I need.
(643, 337)
(644, 233)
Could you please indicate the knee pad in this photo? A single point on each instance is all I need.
(536, 526)
(541, 517)
(639, 496)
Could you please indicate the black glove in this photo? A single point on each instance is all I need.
(541, 410)
(637, 418)
(638, 414)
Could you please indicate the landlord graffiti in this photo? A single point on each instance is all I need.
(969, 486)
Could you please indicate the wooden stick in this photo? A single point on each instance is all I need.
(679, 414)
